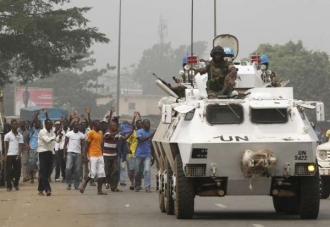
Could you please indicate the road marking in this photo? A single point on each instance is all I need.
(220, 205)
(257, 225)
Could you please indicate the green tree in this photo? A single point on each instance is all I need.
(165, 62)
(308, 71)
(40, 37)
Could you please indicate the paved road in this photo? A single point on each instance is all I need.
(129, 208)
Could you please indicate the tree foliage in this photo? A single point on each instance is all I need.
(308, 71)
(39, 38)
(165, 62)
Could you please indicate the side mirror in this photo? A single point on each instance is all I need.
(320, 111)
(166, 114)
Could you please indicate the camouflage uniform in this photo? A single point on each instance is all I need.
(216, 76)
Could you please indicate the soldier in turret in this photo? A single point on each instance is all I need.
(221, 74)
(266, 74)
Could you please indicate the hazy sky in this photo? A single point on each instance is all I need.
(252, 21)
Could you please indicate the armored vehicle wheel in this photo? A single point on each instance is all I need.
(325, 181)
(278, 203)
(309, 197)
(287, 205)
(161, 202)
(161, 195)
(168, 199)
(185, 192)
(292, 205)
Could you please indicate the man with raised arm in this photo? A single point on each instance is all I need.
(34, 129)
(93, 151)
(73, 146)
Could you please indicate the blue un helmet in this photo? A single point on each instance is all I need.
(229, 52)
(185, 59)
(264, 60)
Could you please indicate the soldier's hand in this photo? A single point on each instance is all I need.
(87, 111)
(45, 110)
(112, 110)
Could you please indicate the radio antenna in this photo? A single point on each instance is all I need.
(192, 27)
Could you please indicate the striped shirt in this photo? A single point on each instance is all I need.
(110, 145)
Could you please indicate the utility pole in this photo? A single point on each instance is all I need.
(118, 64)
(215, 18)
(192, 27)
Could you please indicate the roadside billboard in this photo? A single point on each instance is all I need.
(32, 96)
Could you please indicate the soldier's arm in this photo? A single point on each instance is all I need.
(232, 69)
(203, 70)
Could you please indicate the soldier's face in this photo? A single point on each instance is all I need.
(217, 57)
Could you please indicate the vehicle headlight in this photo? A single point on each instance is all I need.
(323, 155)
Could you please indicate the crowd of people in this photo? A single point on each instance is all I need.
(80, 150)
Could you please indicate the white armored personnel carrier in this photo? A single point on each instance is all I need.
(258, 142)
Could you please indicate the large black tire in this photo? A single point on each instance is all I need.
(310, 196)
(287, 205)
(292, 205)
(169, 202)
(161, 197)
(185, 193)
(325, 187)
(278, 203)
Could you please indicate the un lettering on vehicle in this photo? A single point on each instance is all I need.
(232, 138)
(301, 155)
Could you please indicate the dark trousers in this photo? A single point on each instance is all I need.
(46, 165)
(13, 168)
(111, 170)
(60, 164)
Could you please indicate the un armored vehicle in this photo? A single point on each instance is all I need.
(257, 142)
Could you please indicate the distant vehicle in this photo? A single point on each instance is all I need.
(53, 113)
(258, 141)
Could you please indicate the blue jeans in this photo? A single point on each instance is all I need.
(143, 167)
(73, 160)
(122, 170)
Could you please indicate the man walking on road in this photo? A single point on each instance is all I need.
(60, 160)
(74, 142)
(45, 147)
(35, 128)
(13, 151)
(143, 156)
(93, 150)
(25, 150)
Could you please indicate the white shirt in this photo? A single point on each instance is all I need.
(45, 140)
(74, 144)
(13, 143)
(61, 141)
